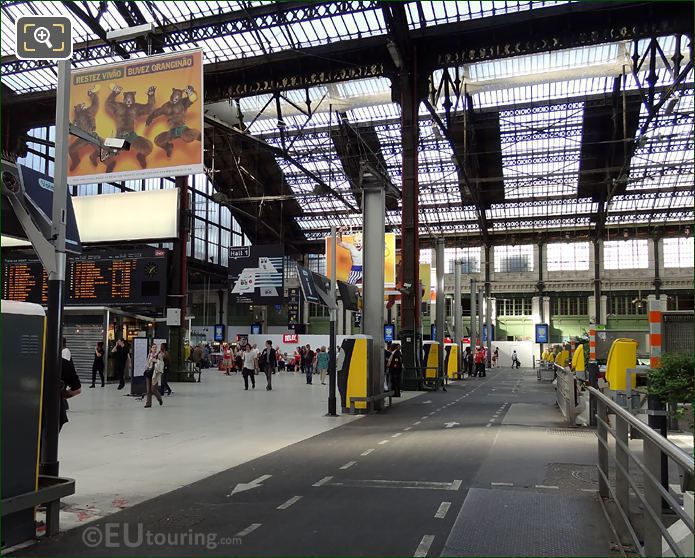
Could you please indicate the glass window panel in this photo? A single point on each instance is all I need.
(568, 256)
(678, 252)
(625, 254)
(513, 259)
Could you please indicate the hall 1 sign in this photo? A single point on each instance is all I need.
(293, 302)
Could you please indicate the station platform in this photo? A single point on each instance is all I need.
(486, 468)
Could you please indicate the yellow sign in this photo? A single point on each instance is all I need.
(155, 104)
(349, 260)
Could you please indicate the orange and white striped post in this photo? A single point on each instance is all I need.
(592, 345)
(654, 308)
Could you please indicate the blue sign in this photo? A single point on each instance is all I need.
(256, 329)
(433, 331)
(491, 328)
(542, 331)
(389, 333)
(219, 332)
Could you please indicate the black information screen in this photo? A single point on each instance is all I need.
(112, 277)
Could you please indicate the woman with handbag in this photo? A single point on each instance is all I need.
(152, 375)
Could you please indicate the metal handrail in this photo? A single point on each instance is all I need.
(669, 448)
(657, 451)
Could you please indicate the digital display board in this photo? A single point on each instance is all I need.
(110, 277)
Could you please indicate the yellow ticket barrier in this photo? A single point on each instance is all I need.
(578, 364)
(562, 358)
(353, 377)
(430, 358)
(451, 360)
(623, 355)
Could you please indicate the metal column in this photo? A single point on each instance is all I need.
(332, 378)
(474, 291)
(441, 303)
(56, 283)
(488, 324)
(481, 310)
(374, 216)
(458, 317)
(597, 280)
(410, 252)
(488, 313)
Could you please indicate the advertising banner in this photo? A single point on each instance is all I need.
(256, 274)
(542, 333)
(155, 104)
(349, 259)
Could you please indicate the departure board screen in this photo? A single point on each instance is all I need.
(109, 277)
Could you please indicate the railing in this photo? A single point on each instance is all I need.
(566, 393)
(647, 539)
(545, 371)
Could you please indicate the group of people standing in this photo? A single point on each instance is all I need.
(121, 357)
(249, 360)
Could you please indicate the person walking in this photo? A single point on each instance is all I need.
(466, 365)
(515, 360)
(163, 383)
(297, 362)
(322, 364)
(495, 357)
(98, 364)
(120, 357)
(70, 385)
(153, 374)
(308, 363)
(395, 368)
(267, 362)
(249, 369)
(478, 360)
(226, 359)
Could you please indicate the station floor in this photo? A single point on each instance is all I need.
(486, 468)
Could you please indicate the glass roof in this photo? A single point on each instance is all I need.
(540, 150)
(540, 99)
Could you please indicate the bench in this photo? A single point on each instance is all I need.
(370, 400)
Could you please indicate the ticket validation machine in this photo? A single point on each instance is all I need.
(353, 379)
(22, 376)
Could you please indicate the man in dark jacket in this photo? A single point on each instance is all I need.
(395, 368)
(267, 362)
(70, 384)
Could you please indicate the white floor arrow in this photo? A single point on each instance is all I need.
(243, 487)
(450, 424)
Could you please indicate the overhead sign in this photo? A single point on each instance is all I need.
(113, 277)
(306, 282)
(155, 104)
(38, 195)
(315, 287)
(256, 274)
(219, 332)
(389, 333)
(542, 331)
(350, 259)
(293, 302)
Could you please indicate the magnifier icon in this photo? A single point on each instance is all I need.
(41, 35)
